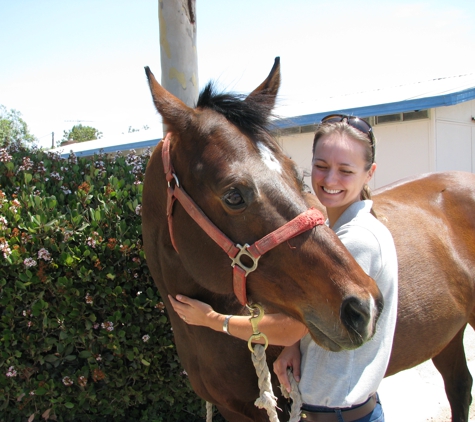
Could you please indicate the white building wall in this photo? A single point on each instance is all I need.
(455, 137)
(403, 149)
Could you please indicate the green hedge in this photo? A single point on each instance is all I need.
(84, 335)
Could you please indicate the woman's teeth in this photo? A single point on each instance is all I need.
(331, 191)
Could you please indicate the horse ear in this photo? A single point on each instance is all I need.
(266, 92)
(175, 113)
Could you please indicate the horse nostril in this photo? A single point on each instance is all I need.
(357, 316)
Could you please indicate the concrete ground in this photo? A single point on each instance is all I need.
(421, 389)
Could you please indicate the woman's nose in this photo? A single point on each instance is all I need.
(330, 177)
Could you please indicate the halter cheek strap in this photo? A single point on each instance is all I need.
(303, 222)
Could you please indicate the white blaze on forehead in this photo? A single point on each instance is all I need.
(268, 158)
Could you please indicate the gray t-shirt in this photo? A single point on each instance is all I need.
(349, 377)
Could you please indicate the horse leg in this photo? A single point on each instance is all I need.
(452, 365)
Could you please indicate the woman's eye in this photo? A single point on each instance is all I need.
(233, 198)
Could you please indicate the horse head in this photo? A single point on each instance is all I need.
(226, 160)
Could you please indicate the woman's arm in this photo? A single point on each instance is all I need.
(281, 330)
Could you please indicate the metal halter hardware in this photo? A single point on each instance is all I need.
(303, 222)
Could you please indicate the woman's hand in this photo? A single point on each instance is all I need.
(288, 358)
(192, 311)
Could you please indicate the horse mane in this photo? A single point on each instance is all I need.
(251, 116)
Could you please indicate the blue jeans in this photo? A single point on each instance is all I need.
(377, 415)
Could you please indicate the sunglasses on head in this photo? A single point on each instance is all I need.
(354, 122)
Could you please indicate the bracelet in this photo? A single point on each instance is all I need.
(226, 324)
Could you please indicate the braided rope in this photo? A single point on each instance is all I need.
(209, 412)
(268, 395)
(266, 399)
(295, 396)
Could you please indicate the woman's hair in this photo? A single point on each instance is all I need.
(343, 128)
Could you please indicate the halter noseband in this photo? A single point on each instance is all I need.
(303, 222)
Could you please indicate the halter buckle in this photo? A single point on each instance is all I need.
(177, 182)
(237, 259)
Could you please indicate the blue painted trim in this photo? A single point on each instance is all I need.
(113, 149)
(382, 109)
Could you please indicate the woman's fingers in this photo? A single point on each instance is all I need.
(192, 311)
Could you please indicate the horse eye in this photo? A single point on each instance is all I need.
(233, 198)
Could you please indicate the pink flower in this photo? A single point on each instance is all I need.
(108, 325)
(29, 262)
(11, 372)
(145, 338)
(44, 254)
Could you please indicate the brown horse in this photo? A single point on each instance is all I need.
(432, 220)
(221, 155)
(228, 164)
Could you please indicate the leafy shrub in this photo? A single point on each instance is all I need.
(84, 335)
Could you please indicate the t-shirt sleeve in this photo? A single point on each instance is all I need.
(365, 248)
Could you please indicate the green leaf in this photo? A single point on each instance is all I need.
(27, 177)
(69, 405)
(145, 362)
(20, 285)
(51, 358)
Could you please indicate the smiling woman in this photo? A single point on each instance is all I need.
(344, 384)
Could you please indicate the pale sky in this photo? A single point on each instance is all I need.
(64, 61)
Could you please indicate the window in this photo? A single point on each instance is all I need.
(401, 117)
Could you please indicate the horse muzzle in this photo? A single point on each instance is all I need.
(357, 325)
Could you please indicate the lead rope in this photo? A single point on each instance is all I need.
(266, 399)
(295, 396)
(209, 412)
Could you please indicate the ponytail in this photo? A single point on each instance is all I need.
(366, 194)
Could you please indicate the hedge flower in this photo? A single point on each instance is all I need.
(44, 254)
(29, 262)
(82, 381)
(26, 165)
(15, 205)
(68, 381)
(94, 239)
(3, 222)
(5, 248)
(145, 338)
(89, 299)
(4, 156)
(108, 325)
(11, 372)
(56, 176)
(65, 190)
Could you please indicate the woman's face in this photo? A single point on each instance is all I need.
(338, 172)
